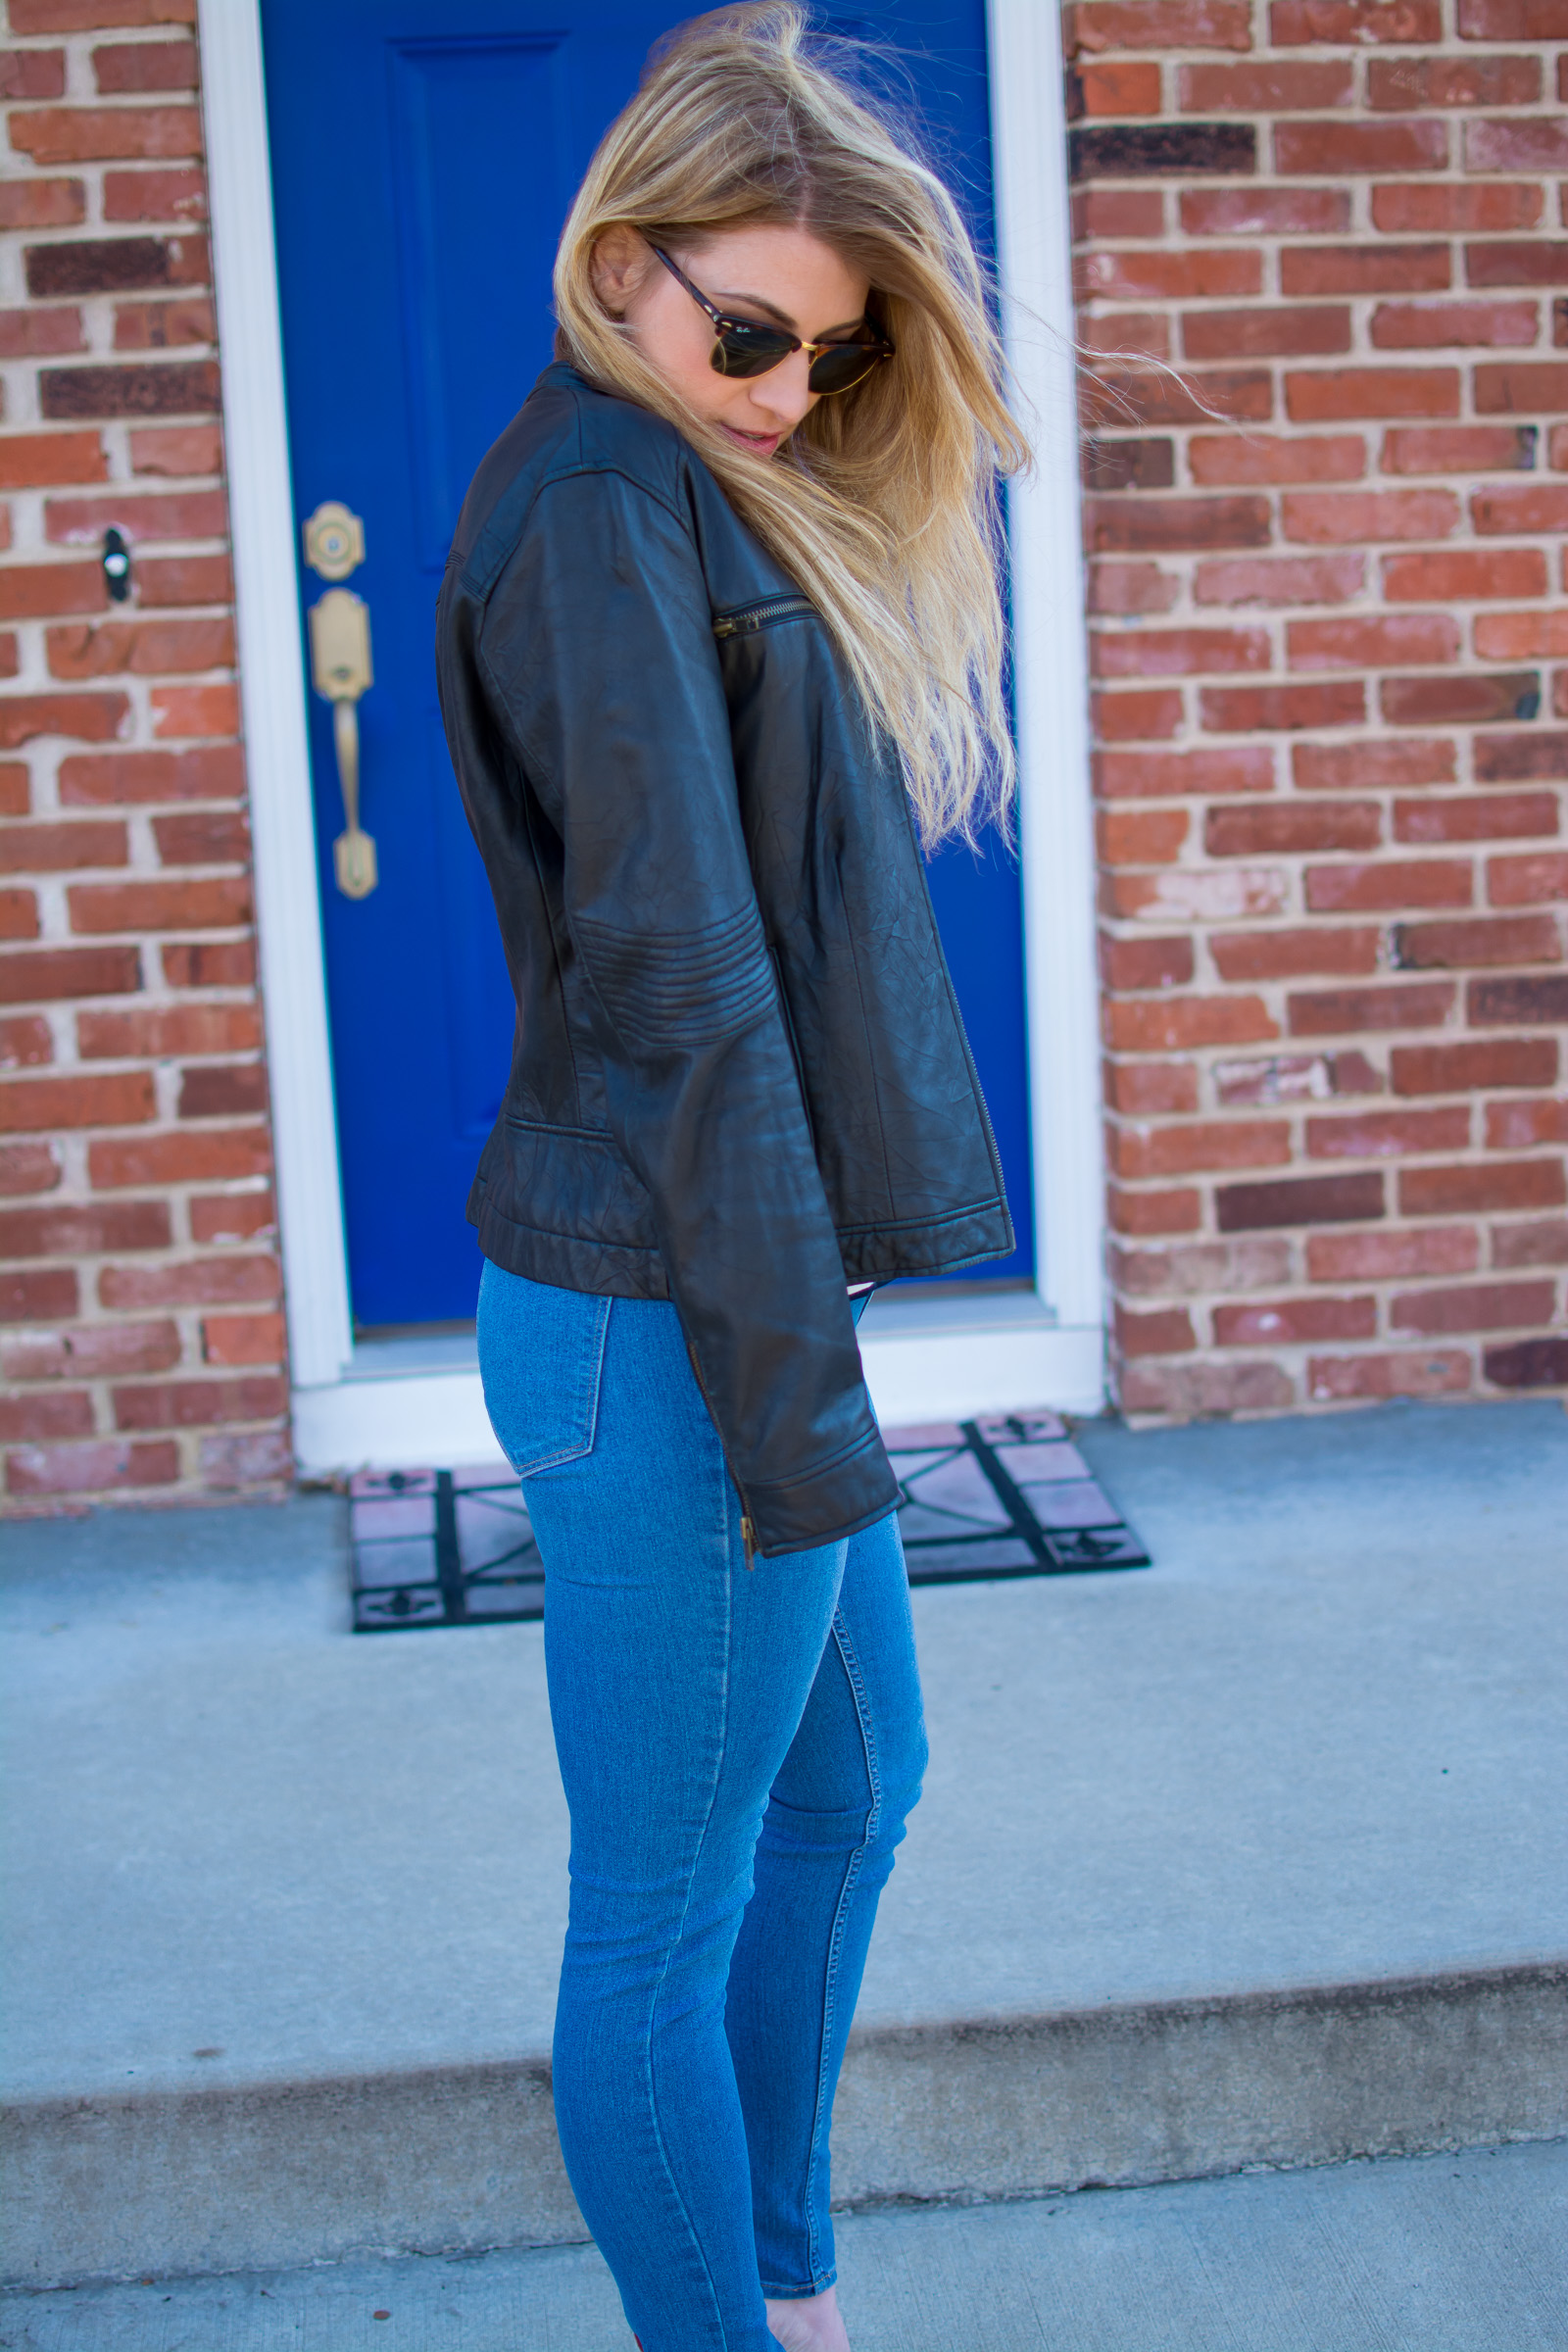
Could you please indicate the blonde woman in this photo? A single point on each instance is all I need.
(719, 645)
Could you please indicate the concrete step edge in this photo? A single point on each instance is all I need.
(457, 2158)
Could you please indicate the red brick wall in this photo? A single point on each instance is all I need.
(142, 1350)
(1331, 663)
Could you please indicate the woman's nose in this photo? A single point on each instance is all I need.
(785, 392)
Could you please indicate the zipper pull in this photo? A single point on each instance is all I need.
(749, 1538)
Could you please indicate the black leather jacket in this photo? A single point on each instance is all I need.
(739, 1076)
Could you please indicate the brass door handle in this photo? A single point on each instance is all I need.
(340, 670)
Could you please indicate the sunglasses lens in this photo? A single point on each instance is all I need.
(842, 367)
(742, 350)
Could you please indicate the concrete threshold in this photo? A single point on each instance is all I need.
(463, 2158)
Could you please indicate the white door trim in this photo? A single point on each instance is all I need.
(921, 1363)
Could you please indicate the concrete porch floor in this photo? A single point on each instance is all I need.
(1255, 1856)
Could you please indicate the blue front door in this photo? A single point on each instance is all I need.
(424, 153)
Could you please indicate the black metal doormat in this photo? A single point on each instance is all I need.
(1007, 1495)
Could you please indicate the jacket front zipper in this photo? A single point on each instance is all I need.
(751, 617)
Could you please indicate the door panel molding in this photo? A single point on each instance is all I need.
(340, 1419)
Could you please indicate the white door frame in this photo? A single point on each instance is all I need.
(928, 1357)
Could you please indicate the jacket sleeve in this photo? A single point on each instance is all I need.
(598, 651)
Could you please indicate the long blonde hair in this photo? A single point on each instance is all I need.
(883, 506)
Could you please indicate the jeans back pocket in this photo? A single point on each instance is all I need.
(541, 1352)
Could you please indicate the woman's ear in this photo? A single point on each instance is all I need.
(618, 264)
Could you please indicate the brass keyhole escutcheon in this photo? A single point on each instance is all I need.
(335, 540)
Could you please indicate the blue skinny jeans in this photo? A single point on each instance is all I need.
(738, 1747)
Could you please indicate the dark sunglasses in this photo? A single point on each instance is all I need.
(745, 347)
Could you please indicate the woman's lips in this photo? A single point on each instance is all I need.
(762, 445)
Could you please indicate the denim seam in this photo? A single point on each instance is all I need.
(697, 1856)
(851, 1876)
(577, 1454)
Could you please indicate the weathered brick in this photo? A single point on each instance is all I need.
(1192, 1267)
(1141, 1088)
(141, 516)
(1146, 775)
(42, 203)
(1522, 999)
(1266, 87)
(1342, 394)
(177, 451)
(1140, 963)
(1169, 1024)
(54, 849)
(1519, 1126)
(1482, 940)
(105, 1466)
(1332, 517)
(1366, 643)
(42, 1294)
(1141, 836)
(1475, 1066)
(19, 914)
(1389, 1134)
(1510, 636)
(1457, 448)
(1114, 525)
(202, 837)
(1521, 758)
(80, 134)
(1343, 148)
(1183, 1389)
(1117, 213)
(229, 1218)
(1527, 1364)
(195, 710)
(1178, 653)
(1384, 1256)
(209, 963)
(1411, 209)
(215, 904)
(1252, 210)
(16, 788)
(1413, 1372)
(88, 16)
(175, 193)
(1286, 1322)
(158, 1031)
(1166, 1332)
(1269, 828)
(1509, 387)
(34, 460)
(1119, 588)
(1296, 22)
(1265, 330)
(1516, 507)
(1116, 397)
(1181, 895)
(169, 389)
(1468, 817)
(1158, 273)
(165, 325)
(1096, 26)
(114, 779)
(1541, 1241)
(92, 1350)
(1173, 1210)
(191, 1155)
(90, 717)
(184, 580)
(26, 1043)
(1449, 326)
(245, 1340)
(1279, 580)
(1462, 699)
(1389, 882)
(197, 1403)
(1136, 717)
(47, 1413)
(52, 973)
(1534, 880)
(1471, 1188)
(246, 1462)
(191, 1281)
(229, 1090)
(115, 265)
(1190, 1146)
(1290, 955)
(27, 1167)
(1409, 83)
(1327, 1013)
(35, 1105)
(140, 647)
(125, 68)
(32, 591)
(1375, 269)
(1127, 151)
(1516, 142)
(40, 333)
(1299, 1200)
(1217, 459)
(1521, 262)
(1247, 709)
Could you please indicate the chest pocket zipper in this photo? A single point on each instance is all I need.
(749, 618)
